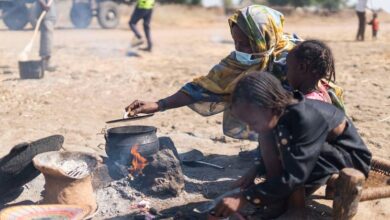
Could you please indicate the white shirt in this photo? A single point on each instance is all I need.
(361, 5)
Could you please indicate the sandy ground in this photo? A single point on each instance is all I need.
(95, 81)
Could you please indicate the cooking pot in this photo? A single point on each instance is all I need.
(120, 141)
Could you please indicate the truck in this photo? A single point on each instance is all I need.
(106, 11)
(16, 14)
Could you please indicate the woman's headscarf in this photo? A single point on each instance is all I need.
(264, 28)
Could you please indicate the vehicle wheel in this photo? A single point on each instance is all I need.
(108, 14)
(81, 15)
(16, 17)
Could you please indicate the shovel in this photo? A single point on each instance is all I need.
(195, 157)
(23, 56)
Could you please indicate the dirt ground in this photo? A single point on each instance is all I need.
(95, 80)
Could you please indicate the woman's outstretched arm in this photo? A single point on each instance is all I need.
(179, 99)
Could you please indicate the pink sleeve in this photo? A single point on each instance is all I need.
(315, 96)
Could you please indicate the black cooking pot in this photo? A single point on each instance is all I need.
(120, 141)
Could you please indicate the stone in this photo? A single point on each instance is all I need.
(101, 177)
(163, 176)
(167, 143)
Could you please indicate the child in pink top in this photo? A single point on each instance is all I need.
(321, 93)
(307, 65)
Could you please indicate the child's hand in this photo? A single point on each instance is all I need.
(229, 205)
(246, 180)
(137, 107)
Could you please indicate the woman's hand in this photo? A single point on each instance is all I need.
(138, 106)
(45, 6)
(246, 180)
(229, 205)
(176, 100)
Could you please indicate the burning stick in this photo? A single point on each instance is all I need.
(138, 163)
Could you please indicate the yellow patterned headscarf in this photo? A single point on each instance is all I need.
(264, 28)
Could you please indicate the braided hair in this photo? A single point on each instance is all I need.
(318, 57)
(263, 90)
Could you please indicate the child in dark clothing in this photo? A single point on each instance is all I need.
(375, 25)
(303, 142)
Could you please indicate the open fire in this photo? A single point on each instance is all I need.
(138, 163)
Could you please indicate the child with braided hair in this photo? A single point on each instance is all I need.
(303, 143)
(311, 70)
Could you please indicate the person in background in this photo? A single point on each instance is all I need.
(361, 13)
(143, 10)
(47, 31)
(375, 25)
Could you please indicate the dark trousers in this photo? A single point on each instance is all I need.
(146, 15)
(362, 25)
(374, 33)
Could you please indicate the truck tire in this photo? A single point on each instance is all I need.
(17, 18)
(81, 15)
(108, 14)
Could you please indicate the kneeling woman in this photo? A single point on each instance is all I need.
(303, 142)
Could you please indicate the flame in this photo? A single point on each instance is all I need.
(138, 163)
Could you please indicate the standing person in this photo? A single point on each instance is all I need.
(361, 13)
(143, 10)
(375, 25)
(47, 30)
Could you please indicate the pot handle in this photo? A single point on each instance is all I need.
(101, 146)
(104, 132)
